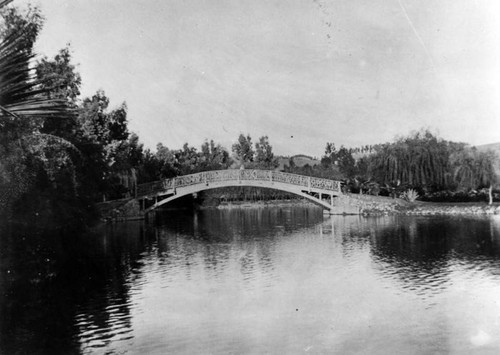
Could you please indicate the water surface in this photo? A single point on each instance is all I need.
(277, 280)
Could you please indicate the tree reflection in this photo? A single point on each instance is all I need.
(421, 251)
(66, 292)
(58, 287)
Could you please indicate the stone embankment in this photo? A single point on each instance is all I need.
(451, 209)
(428, 209)
(376, 205)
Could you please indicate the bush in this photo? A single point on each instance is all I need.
(410, 195)
(459, 196)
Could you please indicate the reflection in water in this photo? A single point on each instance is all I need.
(65, 291)
(425, 251)
(255, 281)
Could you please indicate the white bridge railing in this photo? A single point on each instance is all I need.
(208, 177)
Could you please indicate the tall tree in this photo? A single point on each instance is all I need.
(473, 169)
(243, 150)
(29, 157)
(214, 157)
(264, 156)
(101, 134)
(24, 25)
(167, 161)
(346, 162)
(149, 169)
(330, 156)
(59, 78)
(99, 125)
(486, 172)
(420, 160)
(187, 160)
(124, 159)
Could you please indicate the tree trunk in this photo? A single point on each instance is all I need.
(490, 195)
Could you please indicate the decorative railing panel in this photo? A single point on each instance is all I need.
(292, 179)
(208, 177)
(325, 184)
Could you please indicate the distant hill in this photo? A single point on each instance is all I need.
(300, 160)
(492, 146)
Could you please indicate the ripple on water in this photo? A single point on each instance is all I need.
(103, 324)
(362, 287)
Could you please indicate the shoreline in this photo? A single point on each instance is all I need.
(434, 209)
(364, 206)
(385, 207)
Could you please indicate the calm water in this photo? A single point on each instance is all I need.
(255, 281)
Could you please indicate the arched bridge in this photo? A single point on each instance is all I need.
(320, 191)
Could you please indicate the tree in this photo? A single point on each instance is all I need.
(167, 161)
(187, 160)
(23, 25)
(101, 126)
(264, 156)
(330, 156)
(29, 157)
(473, 169)
(362, 168)
(125, 158)
(419, 160)
(486, 172)
(101, 134)
(346, 162)
(243, 150)
(58, 77)
(214, 157)
(149, 169)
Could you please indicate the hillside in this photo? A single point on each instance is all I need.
(299, 160)
(492, 146)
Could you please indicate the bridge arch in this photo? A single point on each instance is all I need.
(311, 188)
(312, 198)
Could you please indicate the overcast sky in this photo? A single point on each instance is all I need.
(303, 72)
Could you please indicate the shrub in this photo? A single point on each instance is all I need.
(410, 195)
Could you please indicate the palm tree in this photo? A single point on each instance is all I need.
(19, 88)
(24, 105)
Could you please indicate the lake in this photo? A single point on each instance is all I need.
(251, 281)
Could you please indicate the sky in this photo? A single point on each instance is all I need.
(302, 72)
